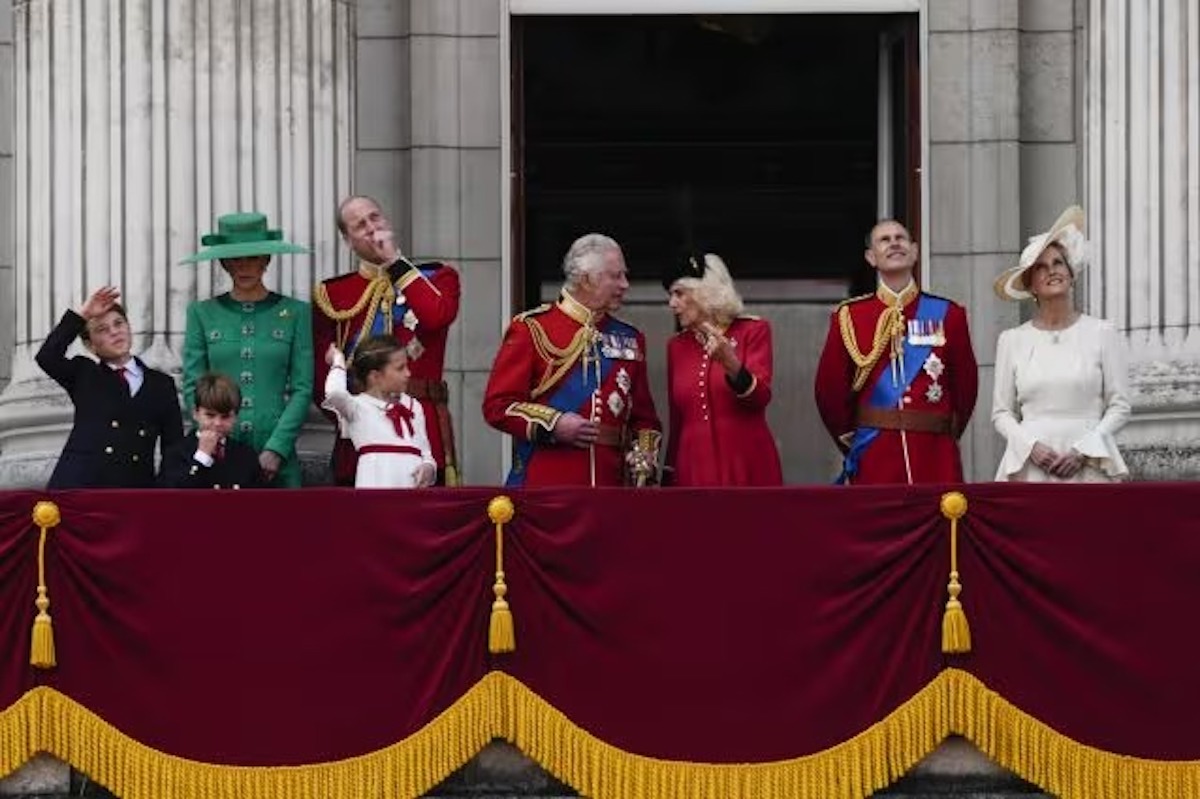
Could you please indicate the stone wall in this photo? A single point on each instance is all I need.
(427, 90)
(1004, 132)
(7, 299)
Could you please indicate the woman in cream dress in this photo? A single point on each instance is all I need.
(1061, 384)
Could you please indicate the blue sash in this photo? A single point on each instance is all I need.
(379, 323)
(887, 393)
(575, 387)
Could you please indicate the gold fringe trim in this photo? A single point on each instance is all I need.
(44, 720)
(41, 648)
(955, 702)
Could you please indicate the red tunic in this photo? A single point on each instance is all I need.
(541, 354)
(933, 457)
(422, 305)
(718, 437)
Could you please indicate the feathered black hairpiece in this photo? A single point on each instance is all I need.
(690, 265)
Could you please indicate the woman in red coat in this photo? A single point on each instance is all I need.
(719, 383)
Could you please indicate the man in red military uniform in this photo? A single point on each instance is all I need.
(569, 382)
(897, 379)
(416, 303)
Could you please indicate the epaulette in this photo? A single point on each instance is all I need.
(751, 316)
(541, 309)
(859, 298)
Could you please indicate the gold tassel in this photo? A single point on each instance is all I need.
(956, 633)
(501, 635)
(41, 652)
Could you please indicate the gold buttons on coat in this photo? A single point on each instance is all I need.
(115, 423)
(108, 450)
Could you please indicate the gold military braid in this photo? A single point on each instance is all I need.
(889, 326)
(379, 294)
(558, 359)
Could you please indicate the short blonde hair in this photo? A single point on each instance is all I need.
(714, 293)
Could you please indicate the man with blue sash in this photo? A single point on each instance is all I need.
(389, 295)
(897, 379)
(569, 382)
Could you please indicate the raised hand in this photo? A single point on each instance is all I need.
(334, 357)
(207, 441)
(385, 246)
(720, 349)
(100, 303)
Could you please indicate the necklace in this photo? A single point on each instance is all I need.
(1056, 329)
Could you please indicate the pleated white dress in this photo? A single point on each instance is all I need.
(1067, 389)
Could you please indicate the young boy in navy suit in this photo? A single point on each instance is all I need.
(123, 408)
(209, 458)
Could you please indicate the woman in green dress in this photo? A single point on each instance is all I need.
(260, 339)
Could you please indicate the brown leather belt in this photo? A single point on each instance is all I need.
(912, 421)
(435, 391)
(610, 436)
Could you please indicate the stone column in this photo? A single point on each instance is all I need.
(974, 182)
(428, 147)
(137, 123)
(1143, 192)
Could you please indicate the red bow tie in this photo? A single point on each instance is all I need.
(401, 417)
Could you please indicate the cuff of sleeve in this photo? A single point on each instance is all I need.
(203, 458)
(401, 270)
(1101, 449)
(742, 383)
(1016, 455)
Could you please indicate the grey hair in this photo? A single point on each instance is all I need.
(869, 239)
(715, 293)
(584, 257)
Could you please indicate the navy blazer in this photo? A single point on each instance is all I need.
(112, 441)
(238, 469)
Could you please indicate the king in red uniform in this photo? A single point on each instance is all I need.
(388, 295)
(569, 382)
(897, 379)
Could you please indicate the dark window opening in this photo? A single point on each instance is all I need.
(752, 136)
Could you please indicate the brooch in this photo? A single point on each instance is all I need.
(935, 368)
(616, 404)
(624, 382)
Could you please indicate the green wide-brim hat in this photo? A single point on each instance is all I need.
(242, 235)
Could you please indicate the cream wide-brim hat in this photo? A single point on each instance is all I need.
(1067, 231)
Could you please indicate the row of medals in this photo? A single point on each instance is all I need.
(929, 333)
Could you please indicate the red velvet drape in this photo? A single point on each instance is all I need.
(262, 628)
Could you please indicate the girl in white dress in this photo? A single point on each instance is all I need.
(386, 425)
(1061, 382)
